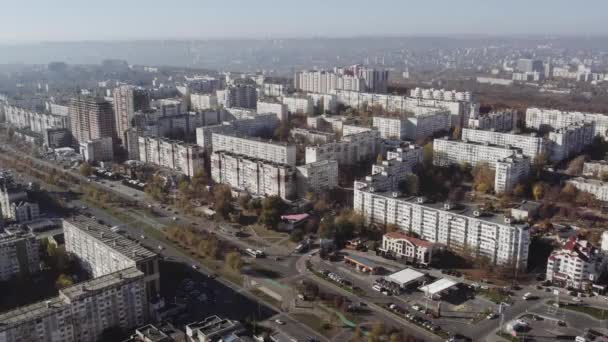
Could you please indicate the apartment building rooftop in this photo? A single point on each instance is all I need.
(116, 241)
(256, 139)
(243, 156)
(31, 312)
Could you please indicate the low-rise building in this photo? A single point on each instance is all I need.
(576, 264)
(406, 247)
(214, 328)
(596, 187)
(57, 137)
(97, 150)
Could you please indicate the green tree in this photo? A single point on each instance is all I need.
(63, 281)
(272, 209)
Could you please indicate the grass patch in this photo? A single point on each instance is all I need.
(495, 295)
(595, 312)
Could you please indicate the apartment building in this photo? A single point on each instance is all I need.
(576, 264)
(568, 141)
(398, 165)
(335, 122)
(56, 137)
(169, 107)
(274, 89)
(311, 136)
(91, 118)
(81, 312)
(498, 121)
(35, 121)
(258, 177)
(97, 150)
(597, 188)
(214, 328)
(595, 169)
(203, 101)
(530, 145)
(543, 119)
(412, 127)
(177, 156)
(325, 103)
(127, 101)
(102, 251)
(265, 106)
(510, 165)
(24, 211)
(321, 81)
(10, 193)
(19, 253)
(459, 228)
(299, 104)
(317, 177)
(270, 151)
(351, 150)
(250, 126)
(238, 95)
(408, 248)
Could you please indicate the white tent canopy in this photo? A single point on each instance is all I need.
(404, 277)
(437, 287)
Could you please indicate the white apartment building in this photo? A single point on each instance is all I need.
(81, 312)
(19, 253)
(510, 165)
(274, 152)
(407, 248)
(350, 150)
(101, 251)
(398, 165)
(37, 122)
(273, 89)
(499, 121)
(24, 211)
(169, 107)
(530, 145)
(10, 193)
(299, 104)
(336, 123)
(311, 137)
(239, 95)
(178, 156)
(254, 176)
(413, 127)
(317, 177)
(252, 126)
(570, 140)
(316, 81)
(461, 229)
(349, 129)
(597, 188)
(266, 106)
(327, 103)
(97, 150)
(577, 264)
(540, 118)
(203, 101)
(595, 169)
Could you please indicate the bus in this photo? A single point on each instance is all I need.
(255, 253)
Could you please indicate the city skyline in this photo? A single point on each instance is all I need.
(75, 21)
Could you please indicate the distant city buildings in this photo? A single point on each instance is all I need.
(355, 78)
(553, 119)
(35, 121)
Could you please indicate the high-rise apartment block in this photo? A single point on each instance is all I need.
(553, 119)
(127, 101)
(19, 253)
(81, 312)
(299, 104)
(102, 251)
(274, 152)
(91, 118)
(203, 101)
(510, 165)
(461, 229)
(178, 156)
(352, 149)
(498, 121)
(37, 122)
(412, 127)
(317, 177)
(531, 145)
(273, 106)
(239, 95)
(255, 176)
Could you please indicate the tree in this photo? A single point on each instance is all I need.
(155, 188)
(604, 176)
(63, 281)
(538, 164)
(457, 133)
(483, 178)
(379, 159)
(538, 190)
(272, 209)
(519, 190)
(85, 169)
(222, 200)
(412, 184)
(575, 167)
(391, 227)
(234, 261)
(281, 133)
(427, 154)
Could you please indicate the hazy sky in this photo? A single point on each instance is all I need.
(37, 20)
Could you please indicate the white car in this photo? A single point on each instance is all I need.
(279, 322)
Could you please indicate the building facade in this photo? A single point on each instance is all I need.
(91, 118)
(299, 104)
(19, 253)
(597, 188)
(351, 150)
(408, 248)
(128, 100)
(274, 152)
(530, 145)
(265, 106)
(317, 177)
(97, 150)
(37, 122)
(177, 156)
(576, 264)
(553, 119)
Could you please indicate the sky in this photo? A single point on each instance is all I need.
(70, 20)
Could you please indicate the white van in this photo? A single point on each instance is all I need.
(527, 296)
(377, 288)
